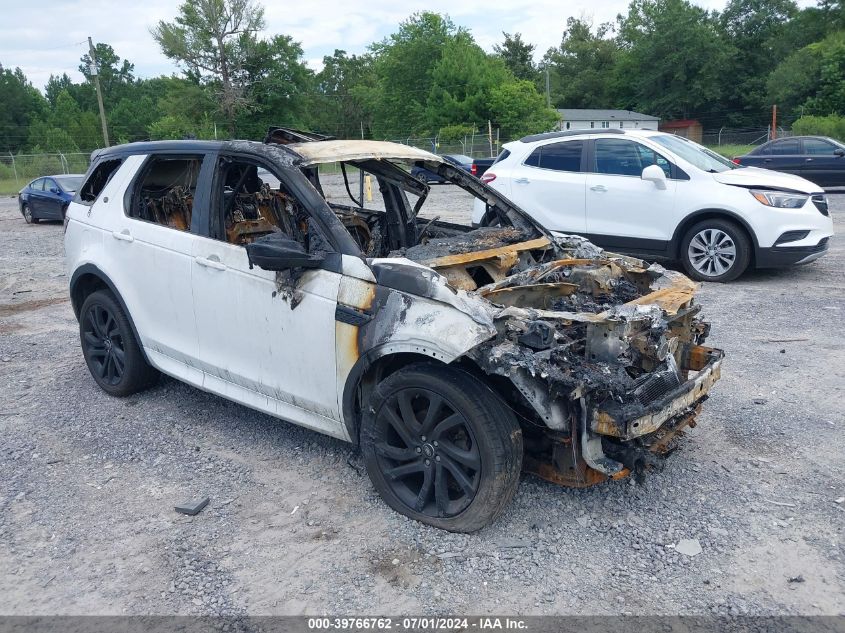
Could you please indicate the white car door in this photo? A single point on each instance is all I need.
(623, 210)
(550, 186)
(260, 342)
(148, 237)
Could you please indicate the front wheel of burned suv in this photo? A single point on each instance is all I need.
(441, 447)
(715, 250)
(113, 355)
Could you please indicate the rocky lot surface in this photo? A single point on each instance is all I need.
(746, 518)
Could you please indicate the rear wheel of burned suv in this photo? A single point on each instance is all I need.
(113, 355)
(715, 250)
(441, 447)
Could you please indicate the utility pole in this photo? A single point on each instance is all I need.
(95, 72)
(490, 135)
(774, 122)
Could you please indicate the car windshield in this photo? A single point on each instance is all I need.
(695, 154)
(69, 183)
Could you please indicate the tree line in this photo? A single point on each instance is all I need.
(667, 58)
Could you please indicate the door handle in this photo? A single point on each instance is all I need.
(598, 188)
(767, 160)
(808, 160)
(210, 262)
(522, 181)
(123, 236)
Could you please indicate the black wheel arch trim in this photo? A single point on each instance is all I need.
(693, 218)
(364, 363)
(91, 269)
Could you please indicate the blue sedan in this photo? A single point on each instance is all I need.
(47, 198)
(458, 160)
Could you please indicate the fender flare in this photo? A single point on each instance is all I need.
(363, 364)
(91, 269)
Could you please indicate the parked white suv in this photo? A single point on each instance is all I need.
(662, 196)
(455, 358)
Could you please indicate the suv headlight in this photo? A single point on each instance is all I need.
(780, 199)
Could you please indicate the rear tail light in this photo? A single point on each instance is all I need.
(736, 161)
(474, 169)
(488, 177)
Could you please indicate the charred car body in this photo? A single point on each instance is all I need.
(455, 357)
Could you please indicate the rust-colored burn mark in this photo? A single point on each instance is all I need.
(9, 309)
(358, 294)
(540, 296)
(495, 262)
(563, 465)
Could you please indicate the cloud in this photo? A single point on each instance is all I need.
(51, 37)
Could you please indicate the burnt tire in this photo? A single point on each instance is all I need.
(111, 352)
(441, 447)
(715, 250)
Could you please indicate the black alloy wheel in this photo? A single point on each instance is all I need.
(104, 346)
(427, 452)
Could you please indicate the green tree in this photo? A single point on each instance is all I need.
(116, 78)
(21, 105)
(404, 65)
(518, 109)
(277, 81)
(462, 81)
(581, 69)
(674, 60)
(812, 79)
(518, 56)
(341, 105)
(214, 39)
(756, 29)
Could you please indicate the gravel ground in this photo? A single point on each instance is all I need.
(89, 483)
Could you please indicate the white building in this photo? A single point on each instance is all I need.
(577, 119)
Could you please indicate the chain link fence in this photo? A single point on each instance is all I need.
(16, 170)
(741, 136)
(472, 145)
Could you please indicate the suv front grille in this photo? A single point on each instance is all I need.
(821, 203)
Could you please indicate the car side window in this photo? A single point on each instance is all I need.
(37, 185)
(619, 157)
(251, 202)
(565, 156)
(785, 147)
(649, 157)
(50, 184)
(97, 180)
(816, 147)
(164, 193)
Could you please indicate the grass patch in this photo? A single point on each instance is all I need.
(8, 186)
(730, 151)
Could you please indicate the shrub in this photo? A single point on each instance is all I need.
(832, 125)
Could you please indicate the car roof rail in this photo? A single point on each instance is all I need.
(549, 135)
(287, 135)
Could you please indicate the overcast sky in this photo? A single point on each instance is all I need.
(45, 37)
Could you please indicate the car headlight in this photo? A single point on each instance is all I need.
(780, 199)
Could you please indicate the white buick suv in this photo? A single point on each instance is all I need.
(661, 196)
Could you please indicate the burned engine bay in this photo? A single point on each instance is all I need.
(600, 356)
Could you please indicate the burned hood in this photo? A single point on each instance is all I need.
(415, 279)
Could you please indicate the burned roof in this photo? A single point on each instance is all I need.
(341, 151)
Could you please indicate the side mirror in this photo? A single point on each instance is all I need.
(279, 252)
(656, 175)
(54, 190)
(839, 152)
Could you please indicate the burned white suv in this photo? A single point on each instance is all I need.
(455, 358)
